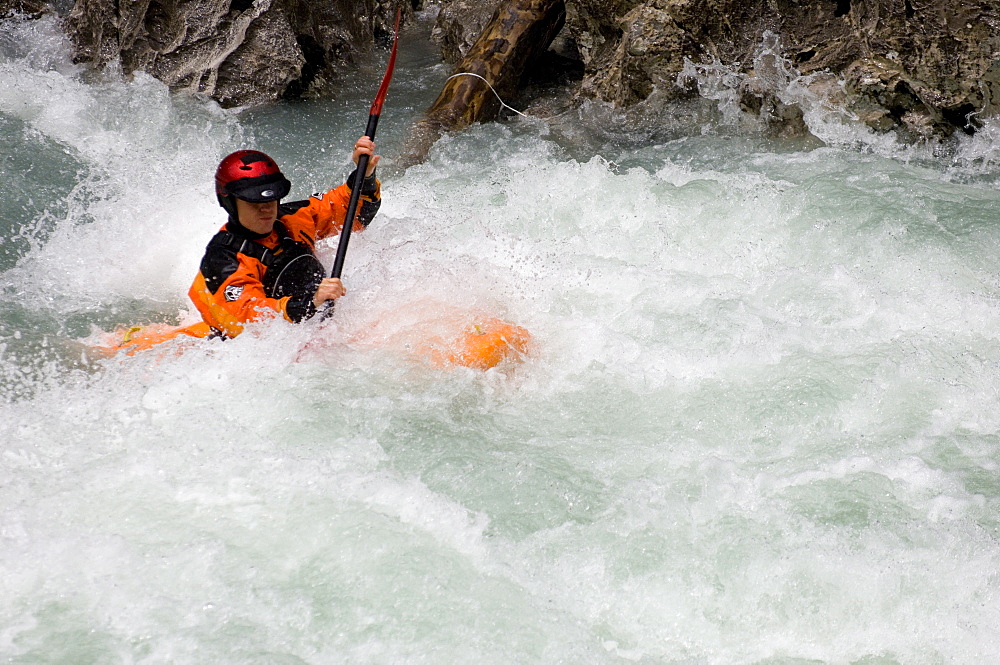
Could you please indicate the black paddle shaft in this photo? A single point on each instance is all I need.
(359, 175)
(352, 205)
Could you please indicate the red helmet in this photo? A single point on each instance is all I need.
(252, 176)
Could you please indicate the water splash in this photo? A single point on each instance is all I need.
(777, 98)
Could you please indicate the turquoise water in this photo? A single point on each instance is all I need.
(759, 424)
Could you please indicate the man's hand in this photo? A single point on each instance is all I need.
(330, 288)
(365, 146)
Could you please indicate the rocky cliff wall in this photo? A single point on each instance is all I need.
(927, 67)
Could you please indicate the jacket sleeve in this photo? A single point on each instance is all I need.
(239, 298)
(326, 212)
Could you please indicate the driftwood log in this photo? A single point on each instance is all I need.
(510, 42)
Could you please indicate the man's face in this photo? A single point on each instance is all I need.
(258, 217)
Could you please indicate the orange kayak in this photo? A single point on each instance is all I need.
(479, 342)
(480, 345)
(142, 338)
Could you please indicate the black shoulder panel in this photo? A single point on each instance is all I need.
(291, 207)
(217, 265)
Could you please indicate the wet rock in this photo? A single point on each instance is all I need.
(29, 8)
(458, 24)
(930, 67)
(239, 52)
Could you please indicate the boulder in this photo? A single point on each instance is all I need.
(458, 24)
(931, 67)
(239, 52)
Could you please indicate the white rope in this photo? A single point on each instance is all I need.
(491, 88)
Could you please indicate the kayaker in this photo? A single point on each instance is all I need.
(261, 263)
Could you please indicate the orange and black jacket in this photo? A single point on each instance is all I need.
(232, 289)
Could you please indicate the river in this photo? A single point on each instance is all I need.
(758, 424)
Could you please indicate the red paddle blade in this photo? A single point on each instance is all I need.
(376, 108)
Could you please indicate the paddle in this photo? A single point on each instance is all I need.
(359, 177)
